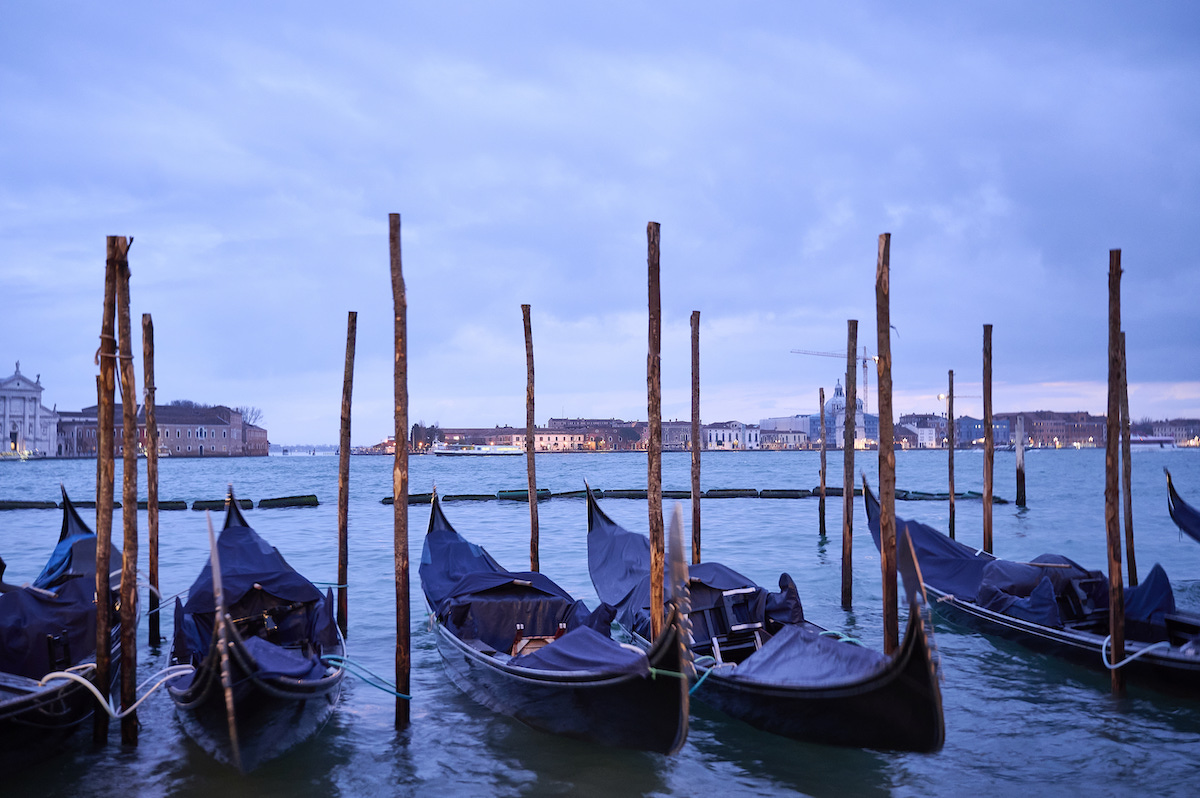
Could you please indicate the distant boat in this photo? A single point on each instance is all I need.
(475, 449)
(1151, 442)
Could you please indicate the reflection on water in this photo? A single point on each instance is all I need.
(1017, 722)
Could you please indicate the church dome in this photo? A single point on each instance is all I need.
(837, 403)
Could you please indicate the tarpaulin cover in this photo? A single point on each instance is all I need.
(619, 563)
(276, 660)
(247, 560)
(1184, 515)
(60, 603)
(946, 564)
(800, 656)
(1018, 589)
(585, 649)
(256, 583)
(1151, 599)
(476, 598)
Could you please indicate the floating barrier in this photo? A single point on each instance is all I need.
(469, 497)
(731, 493)
(522, 495)
(26, 505)
(308, 500)
(784, 494)
(170, 505)
(219, 504)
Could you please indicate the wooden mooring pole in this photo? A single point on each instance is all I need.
(654, 444)
(400, 475)
(1020, 461)
(1112, 523)
(887, 448)
(989, 443)
(343, 578)
(821, 505)
(151, 475)
(848, 469)
(1127, 466)
(129, 475)
(695, 436)
(530, 440)
(950, 446)
(106, 385)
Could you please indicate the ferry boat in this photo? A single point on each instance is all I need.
(476, 449)
(1140, 442)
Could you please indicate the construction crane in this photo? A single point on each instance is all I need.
(865, 358)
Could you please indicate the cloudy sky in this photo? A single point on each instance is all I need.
(254, 155)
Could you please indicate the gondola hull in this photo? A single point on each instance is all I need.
(1164, 656)
(49, 626)
(273, 713)
(798, 684)
(898, 709)
(626, 711)
(35, 720)
(1170, 670)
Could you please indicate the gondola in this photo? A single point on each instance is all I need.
(50, 626)
(269, 676)
(759, 660)
(519, 644)
(1183, 514)
(1055, 606)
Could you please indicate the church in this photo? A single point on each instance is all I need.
(30, 428)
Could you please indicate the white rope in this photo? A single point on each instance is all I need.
(168, 674)
(1104, 653)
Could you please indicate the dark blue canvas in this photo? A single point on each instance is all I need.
(585, 649)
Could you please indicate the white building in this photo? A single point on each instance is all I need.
(29, 427)
(731, 435)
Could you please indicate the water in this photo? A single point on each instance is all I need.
(1015, 721)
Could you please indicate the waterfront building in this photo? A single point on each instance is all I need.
(183, 431)
(1051, 429)
(30, 428)
(729, 435)
(866, 425)
(783, 439)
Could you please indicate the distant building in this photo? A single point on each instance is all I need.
(866, 426)
(1052, 429)
(730, 435)
(780, 440)
(29, 427)
(1185, 431)
(968, 431)
(183, 431)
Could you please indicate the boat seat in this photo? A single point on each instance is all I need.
(728, 631)
(1181, 629)
(527, 644)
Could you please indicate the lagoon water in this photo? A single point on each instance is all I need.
(1016, 722)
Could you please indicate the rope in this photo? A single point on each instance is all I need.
(1104, 653)
(842, 638)
(380, 683)
(656, 672)
(168, 674)
(330, 584)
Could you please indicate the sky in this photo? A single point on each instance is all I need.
(254, 152)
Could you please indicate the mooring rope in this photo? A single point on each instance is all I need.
(1104, 653)
(75, 674)
(379, 683)
(842, 638)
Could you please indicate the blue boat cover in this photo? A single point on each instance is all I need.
(619, 563)
(1021, 590)
(477, 599)
(60, 603)
(247, 560)
(800, 656)
(1182, 513)
(585, 649)
(257, 582)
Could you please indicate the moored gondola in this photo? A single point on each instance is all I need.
(519, 644)
(1185, 516)
(1053, 605)
(280, 648)
(759, 660)
(49, 626)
